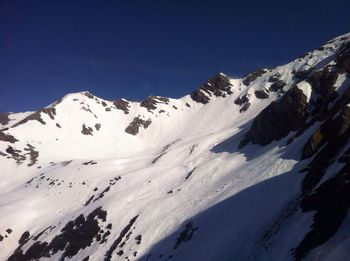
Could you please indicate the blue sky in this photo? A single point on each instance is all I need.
(133, 49)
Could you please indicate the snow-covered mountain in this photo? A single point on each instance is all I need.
(242, 169)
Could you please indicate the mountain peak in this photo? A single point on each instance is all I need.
(268, 153)
(218, 85)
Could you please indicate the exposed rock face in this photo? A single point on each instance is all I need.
(253, 76)
(261, 94)
(21, 156)
(89, 95)
(36, 116)
(330, 202)
(134, 126)
(278, 119)
(151, 102)
(322, 83)
(4, 118)
(123, 105)
(218, 85)
(243, 102)
(329, 132)
(277, 86)
(33, 117)
(7, 137)
(87, 130)
(50, 111)
(277, 83)
(343, 59)
(76, 235)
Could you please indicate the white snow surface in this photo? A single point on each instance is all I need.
(306, 89)
(185, 167)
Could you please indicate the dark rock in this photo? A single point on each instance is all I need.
(50, 111)
(329, 132)
(185, 235)
(243, 102)
(151, 102)
(89, 95)
(301, 74)
(122, 105)
(7, 137)
(33, 154)
(343, 59)
(335, 134)
(15, 154)
(102, 194)
(116, 242)
(87, 130)
(218, 85)
(138, 239)
(278, 119)
(322, 83)
(76, 235)
(98, 126)
(274, 78)
(36, 116)
(330, 202)
(4, 118)
(91, 162)
(24, 238)
(190, 173)
(261, 94)
(134, 126)
(277, 86)
(248, 79)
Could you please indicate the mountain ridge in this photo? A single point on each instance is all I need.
(235, 170)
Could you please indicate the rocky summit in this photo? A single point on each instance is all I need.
(240, 169)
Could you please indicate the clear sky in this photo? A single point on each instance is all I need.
(133, 49)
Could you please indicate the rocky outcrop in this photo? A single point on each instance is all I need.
(277, 83)
(4, 118)
(87, 130)
(278, 119)
(329, 132)
(218, 85)
(343, 59)
(51, 111)
(122, 105)
(76, 235)
(7, 137)
(261, 94)
(253, 76)
(135, 125)
(322, 83)
(242, 101)
(36, 116)
(151, 102)
(276, 86)
(330, 204)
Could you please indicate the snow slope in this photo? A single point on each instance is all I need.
(164, 179)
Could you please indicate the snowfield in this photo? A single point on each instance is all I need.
(164, 179)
